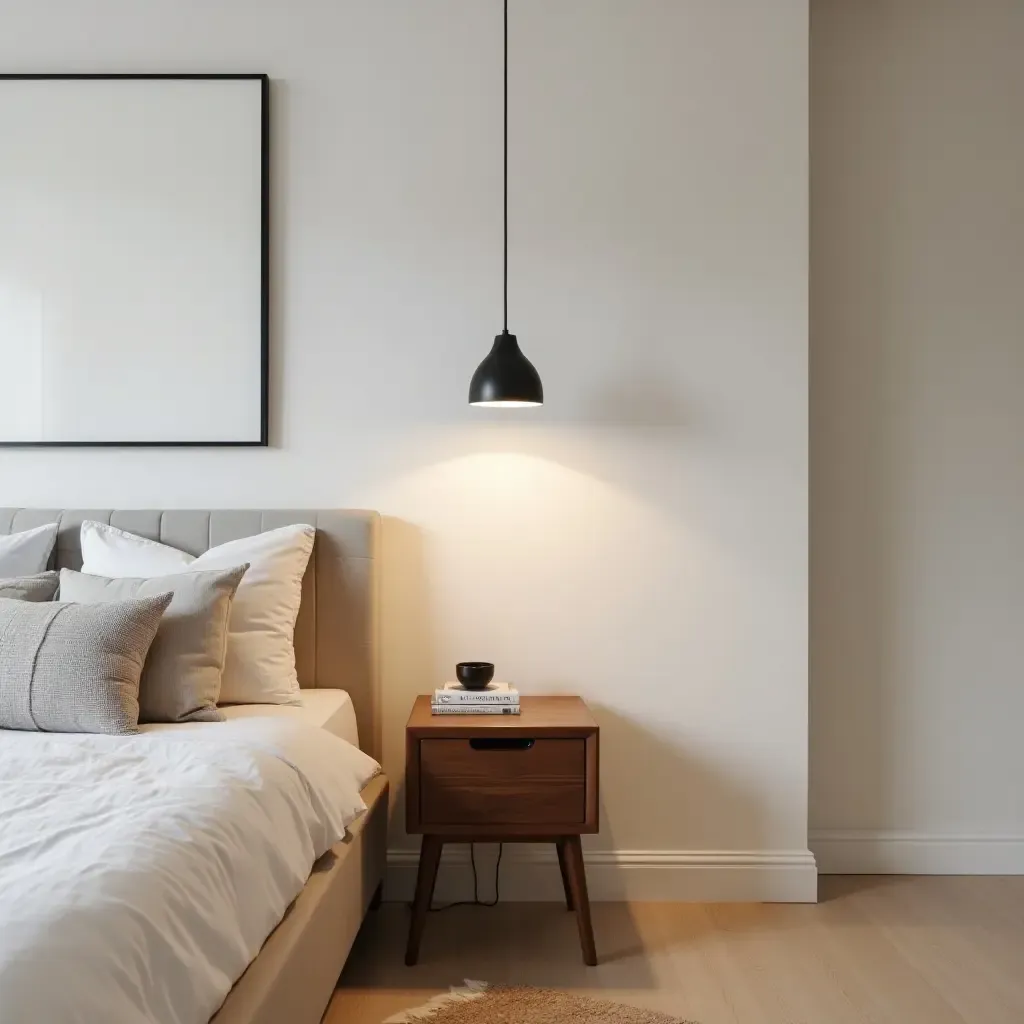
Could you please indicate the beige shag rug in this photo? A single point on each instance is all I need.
(478, 1003)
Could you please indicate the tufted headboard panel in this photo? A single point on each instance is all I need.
(336, 634)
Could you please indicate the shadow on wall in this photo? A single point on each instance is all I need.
(854, 469)
(408, 653)
(280, 230)
(660, 780)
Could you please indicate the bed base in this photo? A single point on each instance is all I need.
(295, 973)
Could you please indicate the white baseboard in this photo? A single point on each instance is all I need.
(864, 852)
(530, 873)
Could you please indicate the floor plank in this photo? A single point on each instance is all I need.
(876, 950)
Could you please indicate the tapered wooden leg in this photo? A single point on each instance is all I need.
(578, 887)
(430, 857)
(564, 869)
(378, 897)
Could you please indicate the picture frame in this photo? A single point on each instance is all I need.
(134, 260)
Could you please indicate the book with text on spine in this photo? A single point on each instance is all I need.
(492, 693)
(474, 709)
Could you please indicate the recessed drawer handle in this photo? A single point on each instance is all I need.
(511, 743)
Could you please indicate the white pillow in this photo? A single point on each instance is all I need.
(28, 552)
(259, 667)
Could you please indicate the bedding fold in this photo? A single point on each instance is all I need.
(142, 873)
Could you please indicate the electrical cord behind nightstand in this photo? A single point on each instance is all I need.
(476, 901)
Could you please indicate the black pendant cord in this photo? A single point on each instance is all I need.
(505, 178)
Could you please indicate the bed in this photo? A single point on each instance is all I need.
(295, 972)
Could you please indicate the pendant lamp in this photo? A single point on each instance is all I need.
(506, 378)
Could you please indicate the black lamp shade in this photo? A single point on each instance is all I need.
(506, 377)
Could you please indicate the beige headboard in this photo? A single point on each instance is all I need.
(336, 635)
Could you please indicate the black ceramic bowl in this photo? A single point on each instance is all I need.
(474, 675)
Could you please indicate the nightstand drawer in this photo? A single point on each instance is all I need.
(497, 780)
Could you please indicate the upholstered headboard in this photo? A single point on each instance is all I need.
(336, 635)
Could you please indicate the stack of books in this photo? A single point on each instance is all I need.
(493, 699)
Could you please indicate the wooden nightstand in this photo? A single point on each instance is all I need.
(523, 778)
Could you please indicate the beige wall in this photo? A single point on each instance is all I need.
(917, 428)
(642, 539)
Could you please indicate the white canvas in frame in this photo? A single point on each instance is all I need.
(132, 276)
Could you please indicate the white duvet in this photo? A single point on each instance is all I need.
(139, 875)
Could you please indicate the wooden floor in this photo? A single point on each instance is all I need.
(883, 949)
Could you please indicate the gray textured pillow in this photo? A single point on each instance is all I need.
(74, 667)
(181, 679)
(40, 587)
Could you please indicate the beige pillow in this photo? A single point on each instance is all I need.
(74, 667)
(181, 680)
(260, 664)
(40, 587)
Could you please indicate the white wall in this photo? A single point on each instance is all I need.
(641, 539)
(917, 354)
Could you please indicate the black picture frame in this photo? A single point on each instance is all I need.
(264, 80)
